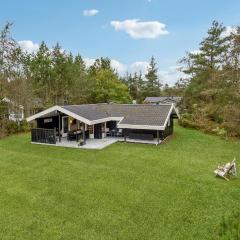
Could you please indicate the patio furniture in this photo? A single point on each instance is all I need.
(113, 133)
(73, 135)
(107, 132)
(119, 133)
(227, 170)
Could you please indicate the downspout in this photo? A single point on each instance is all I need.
(59, 126)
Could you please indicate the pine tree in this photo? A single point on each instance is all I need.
(152, 86)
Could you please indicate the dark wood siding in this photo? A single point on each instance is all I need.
(168, 130)
(111, 125)
(53, 122)
(41, 122)
(132, 132)
(98, 130)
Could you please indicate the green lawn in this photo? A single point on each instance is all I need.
(126, 191)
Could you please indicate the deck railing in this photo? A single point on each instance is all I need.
(43, 135)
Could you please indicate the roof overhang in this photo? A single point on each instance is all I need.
(144, 127)
(52, 111)
(55, 109)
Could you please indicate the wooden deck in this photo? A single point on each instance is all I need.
(97, 143)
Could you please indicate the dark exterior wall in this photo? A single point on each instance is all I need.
(141, 131)
(168, 130)
(49, 125)
(162, 134)
(98, 130)
(111, 125)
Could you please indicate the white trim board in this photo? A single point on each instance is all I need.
(145, 127)
(60, 109)
(71, 114)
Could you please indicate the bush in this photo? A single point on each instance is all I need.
(8, 127)
(12, 127)
(184, 122)
(201, 122)
(24, 126)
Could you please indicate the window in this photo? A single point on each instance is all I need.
(90, 129)
(47, 120)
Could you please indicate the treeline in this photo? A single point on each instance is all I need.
(52, 76)
(212, 90)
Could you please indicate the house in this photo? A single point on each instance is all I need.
(14, 111)
(163, 100)
(98, 125)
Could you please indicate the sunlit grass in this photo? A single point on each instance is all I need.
(125, 191)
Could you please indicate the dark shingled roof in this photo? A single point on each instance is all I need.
(134, 114)
(88, 111)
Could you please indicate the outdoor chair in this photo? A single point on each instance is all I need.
(108, 134)
(227, 170)
(119, 133)
(113, 133)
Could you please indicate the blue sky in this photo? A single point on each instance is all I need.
(127, 31)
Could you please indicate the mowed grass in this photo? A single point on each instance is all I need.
(125, 191)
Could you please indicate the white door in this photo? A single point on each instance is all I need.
(65, 125)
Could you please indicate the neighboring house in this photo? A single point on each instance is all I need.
(15, 112)
(163, 100)
(85, 123)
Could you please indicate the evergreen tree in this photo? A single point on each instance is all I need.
(40, 71)
(211, 99)
(152, 86)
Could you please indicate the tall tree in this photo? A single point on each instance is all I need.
(152, 85)
(106, 84)
(108, 88)
(12, 78)
(40, 71)
(210, 97)
(80, 86)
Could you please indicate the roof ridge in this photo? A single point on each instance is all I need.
(119, 104)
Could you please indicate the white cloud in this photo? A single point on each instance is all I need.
(228, 31)
(171, 75)
(28, 46)
(122, 68)
(119, 67)
(89, 61)
(90, 12)
(137, 29)
(139, 67)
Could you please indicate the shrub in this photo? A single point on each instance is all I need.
(24, 126)
(201, 122)
(12, 127)
(8, 127)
